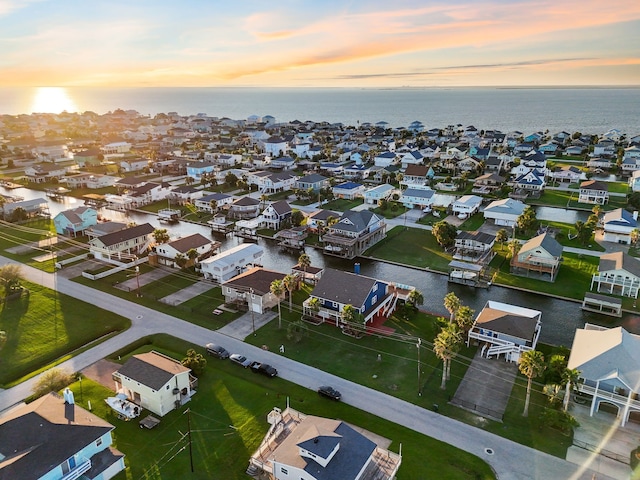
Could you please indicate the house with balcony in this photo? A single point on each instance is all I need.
(244, 207)
(487, 183)
(505, 329)
(75, 221)
(272, 182)
(567, 174)
(466, 205)
(381, 192)
(314, 182)
(251, 290)
(54, 438)
(166, 253)
(355, 232)
(385, 159)
(349, 190)
(226, 265)
(336, 289)
(413, 157)
(531, 181)
(475, 247)
(122, 244)
(283, 163)
(218, 200)
(319, 218)
(618, 225)
(276, 146)
(618, 274)
(275, 214)
(306, 447)
(541, 257)
(608, 360)
(44, 172)
(89, 180)
(417, 196)
(594, 192)
(415, 175)
(156, 382)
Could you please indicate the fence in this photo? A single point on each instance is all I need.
(494, 414)
(605, 453)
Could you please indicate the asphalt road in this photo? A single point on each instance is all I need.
(509, 460)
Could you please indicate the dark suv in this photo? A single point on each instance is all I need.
(216, 351)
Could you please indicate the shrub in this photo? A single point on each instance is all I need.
(52, 380)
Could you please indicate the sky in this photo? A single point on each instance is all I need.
(319, 43)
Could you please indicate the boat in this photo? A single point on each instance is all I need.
(169, 215)
(125, 409)
(464, 275)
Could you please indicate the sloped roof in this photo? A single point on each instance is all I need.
(620, 217)
(619, 261)
(120, 236)
(595, 185)
(343, 287)
(509, 319)
(544, 241)
(257, 278)
(600, 354)
(152, 369)
(185, 244)
(506, 206)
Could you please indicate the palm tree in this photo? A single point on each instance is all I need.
(634, 236)
(349, 314)
(289, 283)
(213, 204)
(502, 236)
(514, 247)
(445, 346)
(597, 210)
(192, 254)
(180, 259)
(531, 365)
(161, 235)
(415, 298)
(314, 305)
(452, 304)
(571, 377)
(304, 261)
(277, 289)
(464, 319)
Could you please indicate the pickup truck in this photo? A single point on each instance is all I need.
(263, 368)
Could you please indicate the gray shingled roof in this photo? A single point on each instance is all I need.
(545, 241)
(343, 287)
(151, 369)
(619, 261)
(126, 234)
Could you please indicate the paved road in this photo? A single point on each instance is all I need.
(509, 459)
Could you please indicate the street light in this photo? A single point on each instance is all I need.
(137, 281)
(419, 382)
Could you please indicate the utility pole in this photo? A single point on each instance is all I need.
(188, 412)
(419, 380)
(253, 322)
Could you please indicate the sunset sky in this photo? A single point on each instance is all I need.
(319, 43)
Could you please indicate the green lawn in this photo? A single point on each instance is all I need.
(389, 212)
(425, 251)
(342, 205)
(473, 223)
(228, 422)
(566, 229)
(618, 187)
(569, 199)
(44, 327)
(13, 235)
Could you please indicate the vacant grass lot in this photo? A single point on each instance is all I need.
(566, 229)
(228, 422)
(43, 327)
(473, 223)
(425, 251)
(13, 235)
(342, 205)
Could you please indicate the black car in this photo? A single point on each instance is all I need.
(263, 368)
(216, 351)
(330, 392)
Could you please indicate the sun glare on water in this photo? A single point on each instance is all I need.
(52, 100)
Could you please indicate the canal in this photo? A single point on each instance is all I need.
(560, 318)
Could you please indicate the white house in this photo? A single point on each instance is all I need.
(618, 274)
(228, 264)
(385, 159)
(466, 205)
(504, 212)
(122, 244)
(505, 329)
(618, 225)
(349, 190)
(594, 192)
(634, 181)
(155, 381)
(373, 195)
(220, 200)
(417, 196)
(276, 213)
(253, 288)
(167, 252)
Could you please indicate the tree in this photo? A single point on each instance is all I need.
(213, 205)
(452, 304)
(10, 277)
(289, 283)
(446, 344)
(314, 305)
(192, 254)
(161, 235)
(297, 217)
(464, 318)
(502, 237)
(296, 330)
(597, 210)
(415, 298)
(3, 338)
(277, 289)
(527, 220)
(18, 215)
(195, 361)
(444, 233)
(634, 236)
(349, 314)
(514, 247)
(53, 380)
(531, 365)
(180, 259)
(304, 261)
(584, 231)
(231, 179)
(571, 377)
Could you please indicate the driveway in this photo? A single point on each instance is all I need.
(509, 460)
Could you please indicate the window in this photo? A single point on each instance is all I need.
(98, 442)
(167, 387)
(284, 470)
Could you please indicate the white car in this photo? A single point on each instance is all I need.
(240, 360)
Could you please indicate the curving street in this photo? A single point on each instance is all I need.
(509, 460)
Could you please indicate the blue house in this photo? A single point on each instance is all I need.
(52, 438)
(75, 221)
(336, 289)
(196, 170)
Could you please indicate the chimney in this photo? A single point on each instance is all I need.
(68, 396)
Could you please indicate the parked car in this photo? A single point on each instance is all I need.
(216, 351)
(330, 392)
(263, 368)
(240, 360)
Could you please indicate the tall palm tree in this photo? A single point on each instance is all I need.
(289, 283)
(502, 236)
(304, 261)
(452, 304)
(415, 298)
(571, 377)
(277, 289)
(531, 365)
(464, 319)
(514, 247)
(446, 344)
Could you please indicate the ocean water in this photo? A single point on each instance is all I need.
(588, 110)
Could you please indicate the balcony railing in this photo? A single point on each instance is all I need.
(80, 470)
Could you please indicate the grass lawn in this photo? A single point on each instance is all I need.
(228, 395)
(574, 276)
(389, 212)
(197, 310)
(13, 235)
(342, 205)
(568, 199)
(566, 229)
(473, 223)
(618, 187)
(425, 251)
(43, 327)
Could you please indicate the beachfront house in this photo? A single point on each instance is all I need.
(608, 360)
(75, 221)
(226, 265)
(541, 256)
(594, 192)
(504, 329)
(504, 212)
(122, 244)
(316, 448)
(618, 225)
(54, 438)
(155, 381)
(355, 232)
(251, 290)
(618, 274)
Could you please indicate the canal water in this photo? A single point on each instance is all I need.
(560, 318)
